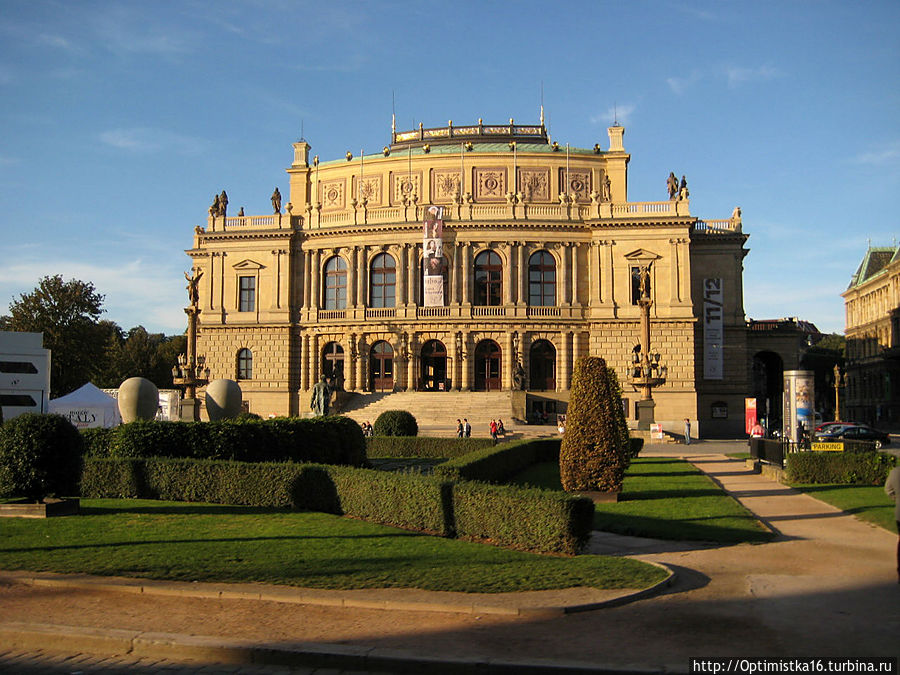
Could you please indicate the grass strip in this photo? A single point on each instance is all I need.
(665, 498)
(203, 542)
(868, 502)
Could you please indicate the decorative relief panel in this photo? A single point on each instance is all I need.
(445, 185)
(490, 185)
(333, 194)
(579, 183)
(370, 189)
(406, 184)
(534, 184)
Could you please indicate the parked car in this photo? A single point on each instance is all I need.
(827, 425)
(861, 432)
(830, 430)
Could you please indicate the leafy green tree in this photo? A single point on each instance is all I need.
(67, 313)
(595, 449)
(141, 354)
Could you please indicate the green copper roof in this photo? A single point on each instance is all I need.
(877, 258)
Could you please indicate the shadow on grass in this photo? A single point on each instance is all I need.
(645, 495)
(642, 526)
(186, 509)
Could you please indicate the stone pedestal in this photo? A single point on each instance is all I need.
(190, 410)
(645, 414)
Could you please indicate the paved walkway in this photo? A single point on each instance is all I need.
(825, 587)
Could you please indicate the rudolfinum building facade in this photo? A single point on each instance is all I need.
(472, 258)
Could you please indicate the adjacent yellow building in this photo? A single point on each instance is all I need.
(479, 257)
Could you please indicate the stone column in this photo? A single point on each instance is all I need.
(316, 370)
(362, 270)
(608, 273)
(509, 363)
(523, 274)
(563, 273)
(411, 359)
(565, 359)
(362, 355)
(350, 354)
(466, 274)
(464, 363)
(594, 272)
(304, 365)
(453, 261)
(315, 273)
(575, 273)
(414, 271)
(401, 275)
(684, 269)
(352, 296)
(455, 375)
(507, 275)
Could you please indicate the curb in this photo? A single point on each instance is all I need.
(33, 636)
(432, 602)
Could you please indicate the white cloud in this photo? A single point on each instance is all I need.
(737, 75)
(680, 85)
(148, 140)
(619, 113)
(885, 154)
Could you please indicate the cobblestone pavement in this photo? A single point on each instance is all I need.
(49, 663)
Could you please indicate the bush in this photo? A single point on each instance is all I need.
(525, 518)
(496, 464)
(40, 455)
(596, 448)
(328, 440)
(396, 423)
(850, 468)
(423, 446)
(636, 445)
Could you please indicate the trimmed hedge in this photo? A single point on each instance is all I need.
(497, 463)
(852, 468)
(326, 440)
(40, 455)
(526, 518)
(421, 446)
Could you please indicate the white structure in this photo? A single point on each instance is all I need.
(169, 403)
(87, 407)
(24, 374)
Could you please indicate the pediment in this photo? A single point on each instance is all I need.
(642, 255)
(248, 266)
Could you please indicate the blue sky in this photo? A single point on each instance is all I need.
(120, 120)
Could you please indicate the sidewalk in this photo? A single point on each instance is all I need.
(825, 587)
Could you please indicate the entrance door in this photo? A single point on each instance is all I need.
(333, 364)
(434, 366)
(381, 367)
(487, 366)
(542, 366)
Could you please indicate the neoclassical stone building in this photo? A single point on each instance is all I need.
(872, 310)
(530, 259)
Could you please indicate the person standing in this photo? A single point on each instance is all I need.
(459, 429)
(687, 431)
(467, 427)
(892, 487)
(493, 428)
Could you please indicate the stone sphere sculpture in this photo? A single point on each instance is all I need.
(223, 400)
(138, 399)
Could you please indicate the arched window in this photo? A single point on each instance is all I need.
(542, 364)
(335, 287)
(333, 364)
(383, 280)
(542, 280)
(245, 364)
(488, 275)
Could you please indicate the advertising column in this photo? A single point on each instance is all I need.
(799, 404)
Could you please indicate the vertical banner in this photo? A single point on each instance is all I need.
(433, 259)
(750, 416)
(713, 334)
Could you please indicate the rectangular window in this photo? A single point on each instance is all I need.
(247, 294)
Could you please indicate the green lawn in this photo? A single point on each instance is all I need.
(201, 542)
(665, 499)
(869, 502)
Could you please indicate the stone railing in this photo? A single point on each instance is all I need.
(727, 226)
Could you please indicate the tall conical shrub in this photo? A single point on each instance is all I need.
(595, 447)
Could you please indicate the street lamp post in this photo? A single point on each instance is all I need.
(646, 371)
(840, 380)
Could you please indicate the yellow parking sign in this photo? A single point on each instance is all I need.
(827, 447)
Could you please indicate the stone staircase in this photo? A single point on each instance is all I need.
(436, 411)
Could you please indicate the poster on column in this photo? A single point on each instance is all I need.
(433, 258)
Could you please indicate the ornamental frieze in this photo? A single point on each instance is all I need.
(490, 185)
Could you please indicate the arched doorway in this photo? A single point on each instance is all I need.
(434, 366)
(542, 366)
(381, 367)
(333, 364)
(487, 366)
(768, 387)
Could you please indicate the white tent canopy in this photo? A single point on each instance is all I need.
(87, 407)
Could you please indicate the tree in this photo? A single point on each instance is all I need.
(67, 313)
(141, 354)
(595, 449)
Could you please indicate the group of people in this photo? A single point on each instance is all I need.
(463, 428)
(497, 429)
(367, 429)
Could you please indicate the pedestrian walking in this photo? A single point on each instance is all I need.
(493, 429)
(892, 487)
(467, 427)
(687, 431)
(500, 428)
(459, 428)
